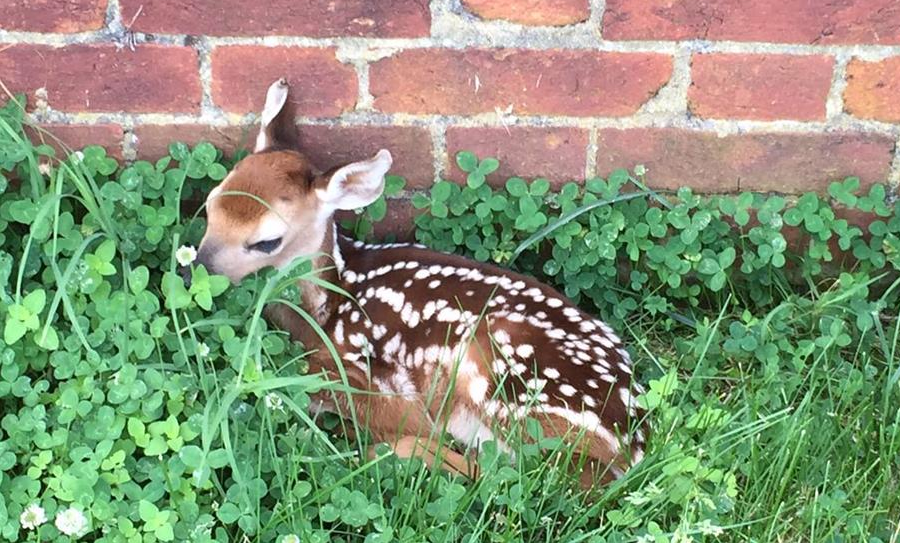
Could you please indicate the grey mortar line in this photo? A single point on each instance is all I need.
(440, 158)
(114, 29)
(590, 166)
(672, 98)
(598, 8)
(492, 119)
(461, 31)
(834, 104)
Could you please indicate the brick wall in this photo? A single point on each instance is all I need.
(780, 95)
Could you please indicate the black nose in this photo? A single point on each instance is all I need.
(185, 273)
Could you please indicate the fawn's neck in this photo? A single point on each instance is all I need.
(328, 265)
(315, 300)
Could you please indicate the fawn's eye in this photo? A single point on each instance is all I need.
(265, 246)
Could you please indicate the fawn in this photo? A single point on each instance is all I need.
(434, 340)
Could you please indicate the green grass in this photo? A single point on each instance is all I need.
(164, 413)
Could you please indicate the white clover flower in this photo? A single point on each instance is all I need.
(71, 522)
(290, 538)
(186, 254)
(77, 157)
(44, 168)
(32, 517)
(637, 498)
(202, 350)
(273, 402)
(708, 528)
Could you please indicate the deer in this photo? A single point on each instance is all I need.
(433, 341)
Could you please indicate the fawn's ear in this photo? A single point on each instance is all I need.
(355, 185)
(277, 130)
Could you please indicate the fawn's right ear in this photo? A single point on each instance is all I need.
(277, 130)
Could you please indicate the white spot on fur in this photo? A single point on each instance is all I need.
(605, 342)
(449, 314)
(567, 390)
(339, 332)
(517, 368)
(393, 344)
(525, 350)
(358, 340)
(551, 373)
(554, 302)
(556, 333)
(478, 389)
(403, 384)
(535, 383)
(587, 327)
(626, 397)
(432, 353)
(468, 429)
(586, 419)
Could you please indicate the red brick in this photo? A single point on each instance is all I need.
(384, 18)
(873, 89)
(54, 16)
(326, 146)
(410, 147)
(557, 154)
(784, 21)
(579, 83)
(70, 137)
(153, 140)
(760, 87)
(532, 12)
(152, 78)
(320, 85)
(779, 162)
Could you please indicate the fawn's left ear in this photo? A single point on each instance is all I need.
(277, 130)
(355, 185)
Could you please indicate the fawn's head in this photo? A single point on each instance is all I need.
(275, 206)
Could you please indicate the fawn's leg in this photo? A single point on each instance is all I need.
(406, 426)
(433, 455)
